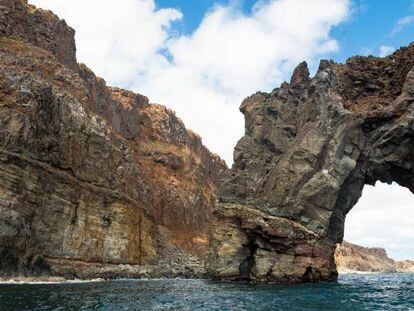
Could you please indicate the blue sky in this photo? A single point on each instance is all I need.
(194, 55)
(194, 11)
(201, 58)
(370, 26)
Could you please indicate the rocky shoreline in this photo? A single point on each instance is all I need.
(351, 258)
(97, 182)
(94, 180)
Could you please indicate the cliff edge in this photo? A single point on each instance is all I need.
(94, 180)
(351, 258)
(309, 148)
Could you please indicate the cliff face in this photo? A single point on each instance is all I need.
(405, 266)
(90, 176)
(351, 258)
(96, 181)
(354, 258)
(309, 148)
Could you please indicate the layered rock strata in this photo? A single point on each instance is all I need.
(309, 148)
(351, 258)
(406, 266)
(91, 176)
(97, 182)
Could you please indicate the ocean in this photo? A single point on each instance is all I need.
(351, 292)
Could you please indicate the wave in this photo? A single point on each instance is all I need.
(46, 280)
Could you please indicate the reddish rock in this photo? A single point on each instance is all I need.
(92, 174)
(351, 258)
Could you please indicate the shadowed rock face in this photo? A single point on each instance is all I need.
(91, 176)
(309, 148)
(42, 28)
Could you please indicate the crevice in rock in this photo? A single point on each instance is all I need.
(311, 275)
(246, 266)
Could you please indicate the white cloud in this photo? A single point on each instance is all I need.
(384, 217)
(209, 72)
(401, 24)
(118, 41)
(365, 51)
(386, 50)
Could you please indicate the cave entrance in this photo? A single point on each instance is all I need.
(383, 217)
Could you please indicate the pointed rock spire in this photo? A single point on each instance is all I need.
(300, 74)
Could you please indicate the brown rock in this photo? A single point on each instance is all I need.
(300, 74)
(40, 28)
(351, 258)
(405, 266)
(354, 258)
(91, 176)
(309, 148)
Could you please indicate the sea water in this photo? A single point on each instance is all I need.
(351, 292)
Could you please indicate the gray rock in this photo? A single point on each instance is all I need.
(309, 149)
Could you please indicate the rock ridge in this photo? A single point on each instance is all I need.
(309, 148)
(351, 258)
(96, 181)
(91, 173)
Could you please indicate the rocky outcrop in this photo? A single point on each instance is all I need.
(97, 182)
(91, 176)
(309, 148)
(405, 266)
(354, 258)
(351, 258)
(41, 28)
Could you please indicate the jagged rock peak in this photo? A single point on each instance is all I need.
(94, 181)
(300, 74)
(39, 27)
(308, 150)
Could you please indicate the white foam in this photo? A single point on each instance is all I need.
(51, 281)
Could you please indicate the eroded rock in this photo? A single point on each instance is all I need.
(309, 148)
(91, 176)
(351, 258)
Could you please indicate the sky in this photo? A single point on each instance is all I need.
(383, 217)
(201, 58)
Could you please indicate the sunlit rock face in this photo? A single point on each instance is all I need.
(351, 258)
(91, 176)
(309, 148)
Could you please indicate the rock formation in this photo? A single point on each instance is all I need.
(96, 181)
(351, 258)
(92, 177)
(405, 266)
(309, 148)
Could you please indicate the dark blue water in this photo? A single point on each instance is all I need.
(352, 292)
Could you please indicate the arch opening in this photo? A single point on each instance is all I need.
(378, 231)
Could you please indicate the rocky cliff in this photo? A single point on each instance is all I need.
(309, 148)
(405, 266)
(354, 258)
(351, 258)
(94, 180)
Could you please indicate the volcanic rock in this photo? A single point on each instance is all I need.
(351, 258)
(405, 266)
(308, 150)
(354, 258)
(91, 175)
